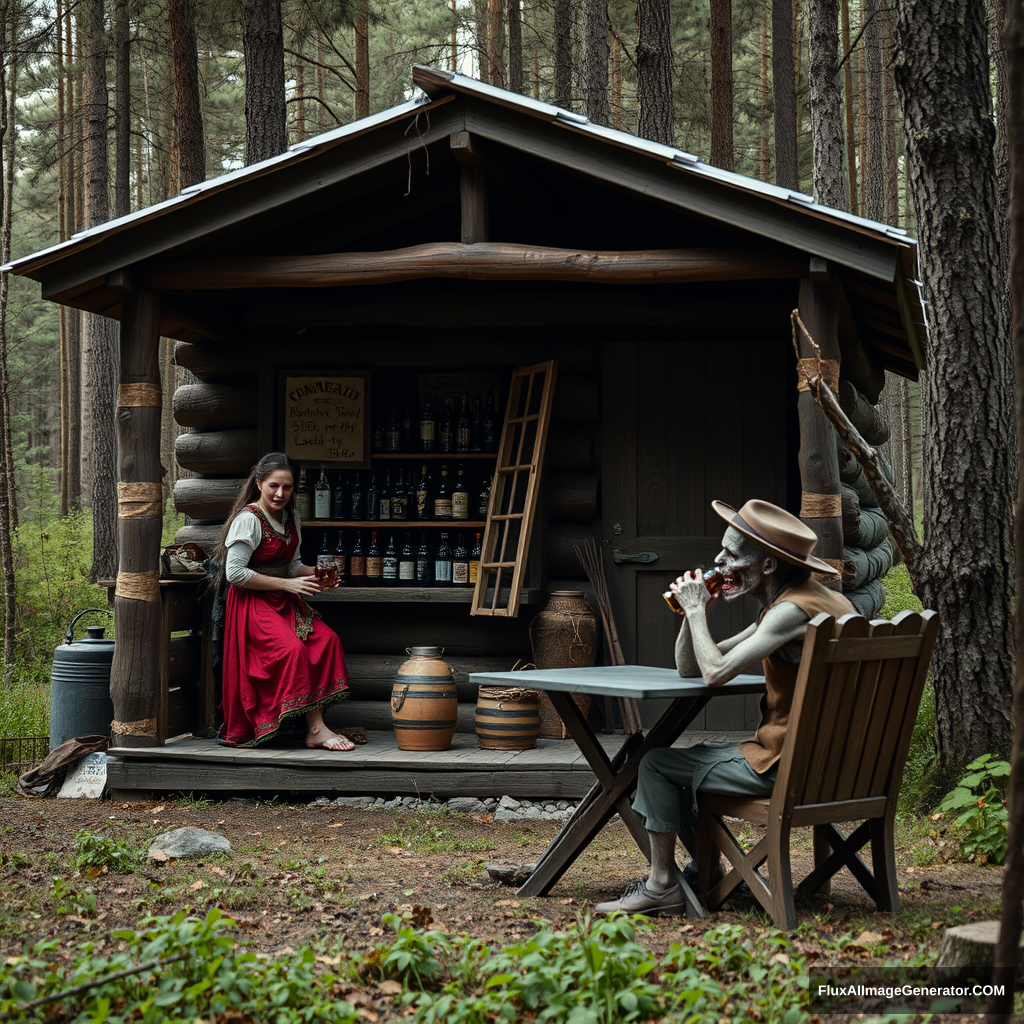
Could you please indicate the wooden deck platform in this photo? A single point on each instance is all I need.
(553, 769)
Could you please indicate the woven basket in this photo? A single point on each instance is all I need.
(551, 724)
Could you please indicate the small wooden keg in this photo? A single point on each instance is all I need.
(424, 702)
(507, 719)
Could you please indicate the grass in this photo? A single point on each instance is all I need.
(425, 835)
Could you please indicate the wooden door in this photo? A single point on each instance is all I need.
(683, 423)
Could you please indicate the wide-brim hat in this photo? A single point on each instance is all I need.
(778, 530)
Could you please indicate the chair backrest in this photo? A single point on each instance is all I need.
(857, 693)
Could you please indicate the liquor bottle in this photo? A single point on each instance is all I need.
(424, 496)
(424, 563)
(446, 429)
(483, 498)
(322, 497)
(474, 560)
(374, 562)
(384, 500)
(407, 563)
(340, 560)
(407, 426)
(356, 501)
(443, 562)
(443, 497)
(428, 426)
(325, 547)
(373, 499)
(460, 497)
(476, 427)
(400, 498)
(339, 503)
(462, 431)
(303, 499)
(357, 562)
(713, 580)
(392, 433)
(391, 563)
(460, 563)
(490, 431)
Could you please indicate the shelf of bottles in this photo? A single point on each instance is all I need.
(410, 527)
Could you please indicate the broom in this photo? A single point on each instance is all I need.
(593, 565)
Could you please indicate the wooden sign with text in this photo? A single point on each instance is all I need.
(325, 417)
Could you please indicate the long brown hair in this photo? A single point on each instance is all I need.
(270, 463)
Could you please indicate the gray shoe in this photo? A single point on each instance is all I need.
(638, 899)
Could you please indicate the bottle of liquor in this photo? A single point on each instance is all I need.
(483, 498)
(339, 502)
(490, 430)
(325, 547)
(391, 563)
(322, 497)
(392, 433)
(460, 563)
(424, 496)
(384, 500)
(303, 499)
(400, 498)
(460, 497)
(443, 497)
(374, 562)
(443, 562)
(407, 563)
(357, 562)
(474, 560)
(356, 500)
(341, 560)
(713, 580)
(373, 499)
(406, 427)
(424, 563)
(463, 439)
(476, 427)
(446, 429)
(428, 426)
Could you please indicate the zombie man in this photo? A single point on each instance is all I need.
(766, 554)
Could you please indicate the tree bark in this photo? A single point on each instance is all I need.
(563, 53)
(516, 81)
(10, 142)
(188, 110)
(896, 411)
(763, 98)
(362, 61)
(263, 45)
(892, 188)
(851, 141)
(826, 103)
(595, 60)
(122, 116)
(496, 43)
(654, 71)
(941, 69)
(874, 104)
(787, 171)
(721, 84)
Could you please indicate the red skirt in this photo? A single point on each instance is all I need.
(270, 673)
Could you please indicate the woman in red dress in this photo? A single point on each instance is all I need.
(280, 660)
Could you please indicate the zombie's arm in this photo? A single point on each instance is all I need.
(686, 658)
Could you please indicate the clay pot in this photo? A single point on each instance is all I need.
(424, 702)
(507, 719)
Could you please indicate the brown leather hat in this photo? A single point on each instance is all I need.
(778, 530)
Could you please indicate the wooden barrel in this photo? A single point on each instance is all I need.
(507, 719)
(424, 701)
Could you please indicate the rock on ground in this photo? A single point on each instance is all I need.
(187, 842)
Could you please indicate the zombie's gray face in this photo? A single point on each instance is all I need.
(745, 565)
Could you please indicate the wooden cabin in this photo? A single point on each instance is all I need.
(441, 245)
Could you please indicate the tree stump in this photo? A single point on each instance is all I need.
(967, 952)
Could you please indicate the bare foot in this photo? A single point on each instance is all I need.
(324, 739)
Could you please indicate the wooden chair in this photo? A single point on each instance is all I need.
(857, 693)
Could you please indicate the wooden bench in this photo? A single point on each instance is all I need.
(853, 712)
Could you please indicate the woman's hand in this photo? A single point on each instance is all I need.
(303, 586)
(690, 591)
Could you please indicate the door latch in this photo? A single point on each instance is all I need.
(644, 557)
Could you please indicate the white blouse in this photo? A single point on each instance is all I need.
(244, 536)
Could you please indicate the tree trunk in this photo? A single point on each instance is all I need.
(99, 355)
(10, 142)
(516, 82)
(188, 109)
(72, 317)
(826, 103)
(851, 141)
(892, 172)
(263, 46)
(122, 115)
(721, 84)
(787, 171)
(654, 71)
(941, 68)
(874, 108)
(362, 62)
(496, 43)
(563, 53)
(321, 109)
(763, 97)
(997, 21)
(595, 60)
(616, 73)
(62, 234)
(481, 26)
(895, 407)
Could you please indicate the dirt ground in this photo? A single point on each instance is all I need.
(323, 876)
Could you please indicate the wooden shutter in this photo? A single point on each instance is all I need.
(514, 491)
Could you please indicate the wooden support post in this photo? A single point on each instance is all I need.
(136, 675)
(821, 504)
(473, 189)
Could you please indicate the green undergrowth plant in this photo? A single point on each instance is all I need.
(979, 803)
(94, 852)
(426, 834)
